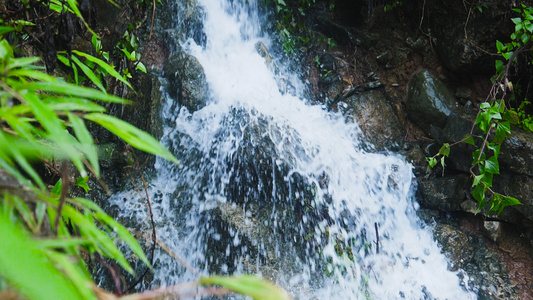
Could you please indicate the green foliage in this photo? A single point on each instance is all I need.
(127, 49)
(293, 32)
(42, 118)
(46, 236)
(254, 287)
(393, 5)
(494, 119)
(520, 118)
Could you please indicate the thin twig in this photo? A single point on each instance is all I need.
(152, 25)
(154, 234)
(113, 272)
(377, 237)
(173, 255)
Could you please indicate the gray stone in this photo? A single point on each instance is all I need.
(445, 194)
(186, 81)
(520, 187)
(517, 152)
(428, 101)
(377, 119)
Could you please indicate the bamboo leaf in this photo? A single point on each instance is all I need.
(85, 139)
(132, 135)
(77, 276)
(27, 268)
(73, 5)
(90, 74)
(255, 287)
(109, 69)
(32, 74)
(73, 90)
(21, 62)
(87, 227)
(72, 104)
(122, 232)
(22, 161)
(62, 242)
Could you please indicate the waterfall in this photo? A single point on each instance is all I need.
(273, 186)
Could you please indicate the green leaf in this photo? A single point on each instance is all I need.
(122, 232)
(89, 229)
(141, 67)
(32, 74)
(22, 62)
(73, 6)
(72, 104)
(503, 129)
(445, 150)
(55, 243)
(492, 166)
(5, 50)
(477, 179)
(86, 139)
(499, 66)
(109, 69)
(257, 288)
(431, 161)
(479, 193)
(132, 135)
(77, 276)
(82, 182)
(56, 190)
(500, 46)
(470, 140)
(26, 267)
(21, 159)
(508, 201)
(5, 29)
(90, 74)
(73, 90)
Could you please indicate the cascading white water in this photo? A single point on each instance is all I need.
(289, 178)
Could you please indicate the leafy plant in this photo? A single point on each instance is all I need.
(127, 49)
(46, 235)
(494, 119)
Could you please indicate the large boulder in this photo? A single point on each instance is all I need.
(429, 102)
(517, 152)
(377, 119)
(445, 194)
(186, 81)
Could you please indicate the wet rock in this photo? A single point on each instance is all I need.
(493, 230)
(445, 194)
(458, 43)
(188, 25)
(376, 118)
(517, 152)
(186, 81)
(457, 127)
(520, 187)
(284, 85)
(334, 30)
(429, 102)
(486, 275)
(415, 156)
(263, 51)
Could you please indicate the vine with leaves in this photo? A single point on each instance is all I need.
(495, 117)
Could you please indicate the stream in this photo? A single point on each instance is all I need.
(271, 185)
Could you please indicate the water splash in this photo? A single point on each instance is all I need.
(271, 185)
